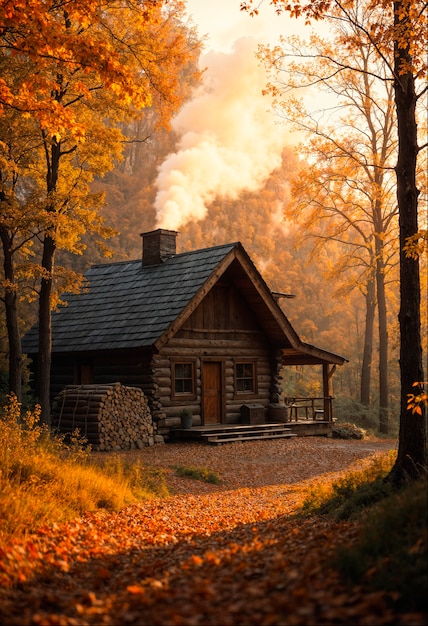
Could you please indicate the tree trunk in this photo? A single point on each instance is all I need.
(383, 341)
(366, 367)
(53, 155)
(45, 330)
(411, 458)
(11, 309)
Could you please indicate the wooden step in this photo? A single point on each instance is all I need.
(218, 441)
(224, 433)
(215, 428)
(268, 428)
(245, 433)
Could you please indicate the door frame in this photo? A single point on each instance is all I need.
(222, 364)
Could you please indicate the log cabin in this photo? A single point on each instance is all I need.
(199, 330)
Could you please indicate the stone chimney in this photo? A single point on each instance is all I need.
(158, 246)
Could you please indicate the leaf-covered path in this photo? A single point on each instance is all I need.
(229, 556)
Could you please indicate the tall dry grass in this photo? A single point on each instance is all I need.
(44, 479)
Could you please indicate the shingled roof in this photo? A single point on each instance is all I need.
(129, 305)
(142, 303)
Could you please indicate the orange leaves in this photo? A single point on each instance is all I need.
(314, 9)
(17, 562)
(70, 56)
(135, 589)
(232, 556)
(416, 402)
(72, 77)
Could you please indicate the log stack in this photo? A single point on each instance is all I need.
(110, 417)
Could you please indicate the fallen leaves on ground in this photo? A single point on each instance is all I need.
(232, 556)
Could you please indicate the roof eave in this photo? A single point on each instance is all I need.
(311, 355)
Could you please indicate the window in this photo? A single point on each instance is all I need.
(245, 377)
(183, 378)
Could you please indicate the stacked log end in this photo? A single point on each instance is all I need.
(110, 417)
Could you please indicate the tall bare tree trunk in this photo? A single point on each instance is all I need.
(366, 366)
(45, 330)
(383, 343)
(411, 458)
(11, 309)
(45, 297)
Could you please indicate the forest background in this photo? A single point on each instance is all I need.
(330, 304)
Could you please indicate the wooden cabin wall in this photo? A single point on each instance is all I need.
(209, 350)
(153, 373)
(62, 374)
(221, 329)
(131, 368)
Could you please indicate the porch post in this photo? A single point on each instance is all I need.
(276, 378)
(327, 391)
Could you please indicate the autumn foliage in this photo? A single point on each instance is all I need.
(235, 551)
(71, 76)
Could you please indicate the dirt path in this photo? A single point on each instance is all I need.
(257, 463)
(229, 554)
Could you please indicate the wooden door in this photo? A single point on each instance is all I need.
(212, 399)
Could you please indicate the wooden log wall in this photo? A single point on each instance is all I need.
(226, 350)
(62, 374)
(133, 368)
(110, 416)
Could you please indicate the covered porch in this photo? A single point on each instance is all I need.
(301, 407)
(313, 409)
(286, 416)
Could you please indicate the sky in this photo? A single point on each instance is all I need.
(229, 139)
(224, 23)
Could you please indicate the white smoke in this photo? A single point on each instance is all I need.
(229, 141)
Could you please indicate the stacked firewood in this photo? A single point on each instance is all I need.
(109, 417)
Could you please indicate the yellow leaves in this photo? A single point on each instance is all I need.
(416, 245)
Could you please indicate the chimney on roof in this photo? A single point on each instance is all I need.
(158, 246)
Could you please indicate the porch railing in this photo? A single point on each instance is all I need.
(310, 408)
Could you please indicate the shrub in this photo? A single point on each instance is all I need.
(390, 553)
(348, 410)
(354, 491)
(348, 431)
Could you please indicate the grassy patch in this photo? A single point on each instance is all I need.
(391, 554)
(44, 480)
(355, 491)
(198, 473)
(141, 479)
(391, 551)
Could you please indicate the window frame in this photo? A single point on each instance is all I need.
(245, 393)
(188, 395)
